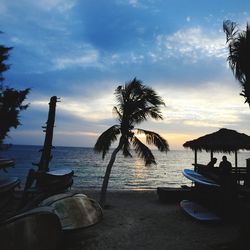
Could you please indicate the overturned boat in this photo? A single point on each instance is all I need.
(75, 210)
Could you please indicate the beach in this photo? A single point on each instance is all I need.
(134, 217)
(138, 220)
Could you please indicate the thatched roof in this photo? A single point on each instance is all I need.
(224, 140)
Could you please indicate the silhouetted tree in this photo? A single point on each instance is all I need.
(239, 55)
(10, 99)
(136, 103)
(11, 104)
(4, 55)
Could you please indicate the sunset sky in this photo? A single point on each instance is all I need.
(81, 50)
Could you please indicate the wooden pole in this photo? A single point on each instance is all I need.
(236, 159)
(236, 166)
(195, 159)
(46, 156)
(212, 154)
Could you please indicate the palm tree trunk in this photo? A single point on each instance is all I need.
(107, 174)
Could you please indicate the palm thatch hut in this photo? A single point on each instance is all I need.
(223, 141)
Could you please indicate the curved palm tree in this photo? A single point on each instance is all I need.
(136, 103)
(239, 55)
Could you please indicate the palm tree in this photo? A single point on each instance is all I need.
(239, 55)
(136, 103)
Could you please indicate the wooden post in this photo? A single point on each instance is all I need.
(236, 166)
(195, 159)
(236, 160)
(212, 154)
(43, 165)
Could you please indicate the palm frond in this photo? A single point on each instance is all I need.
(119, 93)
(229, 28)
(117, 113)
(143, 151)
(106, 139)
(239, 55)
(126, 148)
(133, 89)
(140, 115)
(138, 102)
(152, 97)
(155, 139)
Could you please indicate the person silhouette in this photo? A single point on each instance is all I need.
(228, 189)
(212, 163)
(225, 166)
(209, 170)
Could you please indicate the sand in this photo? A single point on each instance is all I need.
(138, 220)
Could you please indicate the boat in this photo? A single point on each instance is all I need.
(55, 180)
(205, 189)
(199, 178)
(39, 229)
(75, 210)
(198, 211)
(6, 163)
(7, 188)
(8, 183)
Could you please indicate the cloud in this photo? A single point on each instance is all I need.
(192, 44)
(53, 5)
(94, 108)
(3, 8)
(84, 58)
(77, 133)
(209, 105)
(35, 8)
(134, 3)
(143, 4)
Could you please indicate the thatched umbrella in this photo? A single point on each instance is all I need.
(224, 140)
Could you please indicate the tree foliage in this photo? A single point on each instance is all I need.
(11, 105)
(11, 100)
(239, 55)
(4, 55)
(136, 103)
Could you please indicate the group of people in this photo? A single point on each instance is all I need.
(227, 199)
(225, 166)
(217, 173)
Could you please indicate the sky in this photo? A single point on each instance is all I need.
(81, 50)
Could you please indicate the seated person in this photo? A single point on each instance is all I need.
(228, 187)
(209, 170)
(225, 166)
(211, 164)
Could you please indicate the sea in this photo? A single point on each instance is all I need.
(127, 173)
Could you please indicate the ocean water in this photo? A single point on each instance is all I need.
(127, 173)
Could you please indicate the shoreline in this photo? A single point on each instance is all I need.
(138, 220)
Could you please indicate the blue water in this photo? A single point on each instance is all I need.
(127, 173)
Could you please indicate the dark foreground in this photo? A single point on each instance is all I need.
(137, 220)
